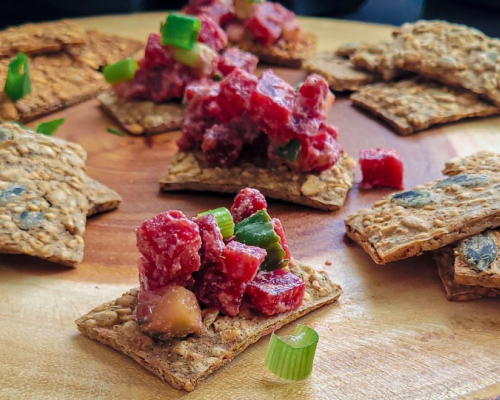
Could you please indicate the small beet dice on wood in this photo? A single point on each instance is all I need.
(234, 58)
(211, 238)
(276, 292)
(247, 202)
(241, 261)
(381, 168)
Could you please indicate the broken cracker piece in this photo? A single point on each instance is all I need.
(326, 190)
(477, 162)
(184, 363)
(101, 198)
(369, 57)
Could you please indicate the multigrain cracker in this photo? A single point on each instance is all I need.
(101, 198)
(453, 54)
(325, 191)
(477, 162)
(340, 73)
(139, 117)
(427, 217)
(184, 363)
(369, 57)
(445, 260)
(415, 104)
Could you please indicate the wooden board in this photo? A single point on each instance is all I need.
(393, 334)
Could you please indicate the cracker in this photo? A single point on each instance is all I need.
(415, 104)
(341, 74)
(445, 259)
(282, 52)
(427, 217)
(348, 49)
(101, 49)
(369, 57)
(453, 54)
(139, 117)
(477, 162)
(325, 191)
(184, 363)
(49, 37)
(101, 198)
(57, 82)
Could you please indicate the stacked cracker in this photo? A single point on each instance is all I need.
(46, 196)
(458, 218)
(457, 72)
(63, 64)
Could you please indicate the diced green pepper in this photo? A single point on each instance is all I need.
(17, 82)
(180, 30)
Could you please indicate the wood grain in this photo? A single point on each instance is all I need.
(392, 335)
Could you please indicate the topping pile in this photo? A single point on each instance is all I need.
(211, 260)
(244, 116)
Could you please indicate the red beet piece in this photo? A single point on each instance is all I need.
(213, 288)
(314, 99)
(211, 238)
(235, 31)
(247, 202)
(381, 168)
(219, 10)
(171, 243)
(212, 34)
(267, 22)
(221, 146)
(235, 90)
(241, 261)
(278, 228)
(234, 58)
(155, 54)
(276, 292)
(271, 103)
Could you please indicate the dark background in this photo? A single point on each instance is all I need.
(481, 14)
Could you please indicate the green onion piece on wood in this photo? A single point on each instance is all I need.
(289, 151)
(115, 132)
(292, 357)
(18, 82)
(121, 71)
(224, 220)
(50, 127)
(180, 30)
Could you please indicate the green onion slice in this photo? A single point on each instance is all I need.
(180, 30)
(292, 357)
(224, 220)
(115, 132)
(18, 82)
(121, 71)
(289, 151)
(50, 127)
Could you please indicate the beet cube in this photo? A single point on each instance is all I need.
(276, 292)
(241, 261)
(155, 54)
(267, 22)
(278, 228)
(235, 90)
(221, 146)
(212, 34)
(247, 202)
(211, 238)
(234, 58)
(314, 99)
(381, 168)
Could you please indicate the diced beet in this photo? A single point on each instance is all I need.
(267, 22)
(155, 54)
(291, 31)
(235, 90)
(276, 292)
(247, 202)
(211, 238)
(381, 168)
(151, 278)
(220, 11)
(314, 99)
(278, 228)
(241, 261)
(213, 288)
(172, 242)
(271, 102)
(221, 146)
(212, 34)
(235, 31)
(233, 58)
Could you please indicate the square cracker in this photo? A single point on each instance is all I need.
(415, 104)
(445, 260)
(48, 37)
(453, 54)
(282, 52)
(340, 73)
(140, 117)
(427, 217)
(326, 190)
(184, 363)
(480, 161)
(101, 198)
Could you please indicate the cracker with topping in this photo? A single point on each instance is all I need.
(326, 190)
(427, 217)
(185, 363)
(413, 105)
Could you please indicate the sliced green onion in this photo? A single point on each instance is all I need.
(224, 220)
(115, 132)
(180, 30)
(18, 83)
(199, 56)
(292, 357)
(121, 71)
(50, 127)
(289, 151)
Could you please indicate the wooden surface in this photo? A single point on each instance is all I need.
(392, 335)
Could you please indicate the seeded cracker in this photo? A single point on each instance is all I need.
(427, 217)
(369, 57)
(415, 104)
(184, 363)
(477, 162)
(142, 116)
(325, 191)
(101, 198)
